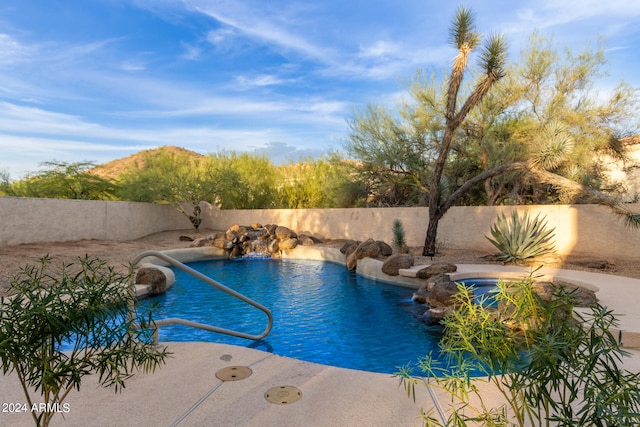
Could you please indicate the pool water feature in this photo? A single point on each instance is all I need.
(322, 313)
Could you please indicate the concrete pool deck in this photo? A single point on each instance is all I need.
(186, 391)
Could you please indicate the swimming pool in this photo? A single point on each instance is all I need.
(322, 313)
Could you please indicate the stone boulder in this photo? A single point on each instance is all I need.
(236, 252)
(199, 242)
(350, 247)
(221, 242)
(205, 241)
(288, 243)
(580, 297)
(318, 238)
(385, 249)
(284, 233)
(306, 240)
(437, 294)
(394, 263)
(158, 277)
(420, 296)
(441, 293)
(274, 246)
(232, 235)
(435, 269)
(368, 248)
(271, 229)
(270, 239)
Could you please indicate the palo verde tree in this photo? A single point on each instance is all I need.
(327, 182)
(177, 178)
(546, 110)
(5, 183)
(61, 180)
(242, 180)
(527, 132)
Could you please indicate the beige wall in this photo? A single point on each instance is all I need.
(580, 229)
(30, 220)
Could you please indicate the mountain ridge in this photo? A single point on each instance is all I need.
(115, 168)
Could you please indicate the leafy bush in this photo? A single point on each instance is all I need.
(81, 308)
(549, 363)
(519, 237)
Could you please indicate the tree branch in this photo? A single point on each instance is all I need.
(561, 183)
(499, 170)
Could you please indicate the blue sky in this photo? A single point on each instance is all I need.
(97, 80)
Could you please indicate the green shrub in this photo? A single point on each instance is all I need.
(519, 237)
(550, 365)
(83, 309)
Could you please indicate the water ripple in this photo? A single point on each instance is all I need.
(322, 313)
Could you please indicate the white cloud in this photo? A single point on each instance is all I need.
(379, 49)
(553, 14)
(282, 153)
(221, 37)
(191, 52)
(574, 10)
(260, 80)
(17, 118)
(12, 50)
(132, 66)
(259, 22)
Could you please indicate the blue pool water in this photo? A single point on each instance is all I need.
(322, 313)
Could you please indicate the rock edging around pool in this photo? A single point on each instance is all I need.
(369, 267)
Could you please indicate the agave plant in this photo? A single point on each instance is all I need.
(520, 237)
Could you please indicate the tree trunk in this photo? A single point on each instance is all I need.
(432, 231)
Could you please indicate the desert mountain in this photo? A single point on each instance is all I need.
(115, 168)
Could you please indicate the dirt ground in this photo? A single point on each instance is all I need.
(119, 253)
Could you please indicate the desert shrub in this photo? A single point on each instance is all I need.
(549, 363)
(64, 323)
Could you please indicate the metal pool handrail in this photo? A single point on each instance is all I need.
(207, 279)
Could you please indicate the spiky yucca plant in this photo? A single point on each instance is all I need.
(398, 234)
(520, 237)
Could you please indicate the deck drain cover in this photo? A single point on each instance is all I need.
(283, 395)
(234, 373)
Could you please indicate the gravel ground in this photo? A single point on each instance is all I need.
(119, 253)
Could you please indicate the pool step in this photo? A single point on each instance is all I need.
(412, 271)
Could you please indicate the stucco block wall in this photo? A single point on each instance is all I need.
(30, 220)
(580, 229)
